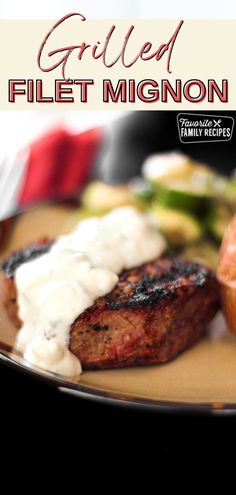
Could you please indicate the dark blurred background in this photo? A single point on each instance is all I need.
(138, 134)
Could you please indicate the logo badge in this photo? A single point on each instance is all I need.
(202, 128)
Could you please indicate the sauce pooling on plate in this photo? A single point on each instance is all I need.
(54, 289)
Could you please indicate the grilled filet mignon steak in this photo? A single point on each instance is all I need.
(156, 311)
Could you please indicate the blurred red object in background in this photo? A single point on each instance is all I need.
(58, 166)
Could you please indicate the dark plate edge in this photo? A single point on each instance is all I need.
(122, 400)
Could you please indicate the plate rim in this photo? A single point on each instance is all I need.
(112, 398)
(118, 399)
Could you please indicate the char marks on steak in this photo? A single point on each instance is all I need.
(154, 312)
(29, 253)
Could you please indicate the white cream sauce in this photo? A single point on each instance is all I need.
(54, 289)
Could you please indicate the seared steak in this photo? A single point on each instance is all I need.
(154, 312)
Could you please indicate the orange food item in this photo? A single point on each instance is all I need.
(226, 274)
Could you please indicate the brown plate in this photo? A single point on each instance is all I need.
(201, 379)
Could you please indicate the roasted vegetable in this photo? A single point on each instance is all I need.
(101, 196)
(229, 194)
(183, 197)
(143, 191)
(202, 252)
(178, 227)
(218, 220)
(172, 165)
(180, 182)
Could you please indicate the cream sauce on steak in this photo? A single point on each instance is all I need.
(55, 288)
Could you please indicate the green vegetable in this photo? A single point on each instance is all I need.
(178, 227)
(191, 190)
(183, 198)
(229, 193)
(143, 191)
(218, 220)
(202, 252)
(101, 196)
